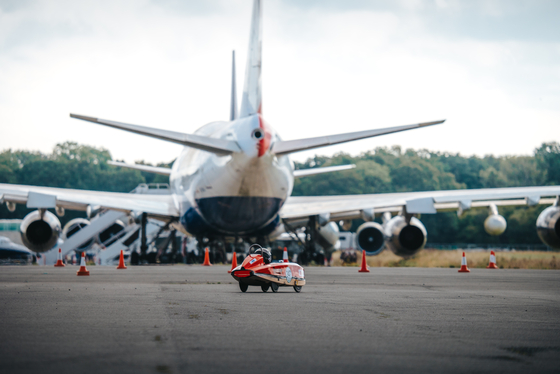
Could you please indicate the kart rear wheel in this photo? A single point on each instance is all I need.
(297, 288)
(243, 287)
(274, 287)
(264, 287)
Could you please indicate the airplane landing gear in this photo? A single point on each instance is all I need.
(309, 253)
(217, 252)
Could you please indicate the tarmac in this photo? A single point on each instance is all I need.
(194, 319)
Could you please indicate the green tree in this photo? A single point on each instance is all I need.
(548, 160)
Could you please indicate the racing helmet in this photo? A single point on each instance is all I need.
(265, 253)
(267, 256)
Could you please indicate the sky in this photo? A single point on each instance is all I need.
(491, 68)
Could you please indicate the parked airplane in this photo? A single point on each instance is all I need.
(234, 179)
(12, 253)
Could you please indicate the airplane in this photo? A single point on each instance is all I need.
(12, 253)
(233, 179)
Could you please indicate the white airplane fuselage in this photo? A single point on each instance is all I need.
(233, 178)
(237, 194)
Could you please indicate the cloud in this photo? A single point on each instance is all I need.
(328, 67)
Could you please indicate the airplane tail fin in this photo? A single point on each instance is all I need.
(233, 115)
(251, 102)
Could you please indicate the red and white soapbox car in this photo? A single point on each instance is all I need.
(258, 270)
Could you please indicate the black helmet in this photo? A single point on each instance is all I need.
(267, 256)
(265, 253)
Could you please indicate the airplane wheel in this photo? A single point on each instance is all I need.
(243, 287)
(297, 288)
(264, 288)
(274, 287)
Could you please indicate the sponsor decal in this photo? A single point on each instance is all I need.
(253, 261)
(288, 275)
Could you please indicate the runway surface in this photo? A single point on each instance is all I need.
(192, 319)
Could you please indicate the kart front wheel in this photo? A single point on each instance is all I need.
(264, 287)
(274, 287)
(243, 287)
(297, 288)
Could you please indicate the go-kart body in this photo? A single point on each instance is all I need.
(254, 272)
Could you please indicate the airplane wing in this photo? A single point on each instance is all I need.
(159, 205)
(146, 168)
(291, 146)
(428, 202)
(328, 169)
(214, 145)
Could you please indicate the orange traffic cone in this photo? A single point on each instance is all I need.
(464, 268)
(492, 264)
(285, 255)
(364, 268)
(121, 261)
(83, 270)
(233, 262)
(206, 258)
(59, 263)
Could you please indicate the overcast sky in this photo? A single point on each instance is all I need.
(491, 68)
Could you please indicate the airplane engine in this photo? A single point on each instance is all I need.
(548, 226)
(327, 236)
(40, 230)
(404, 239)
(72, 227)
(105, 236)
(370, 238)
(494, 224)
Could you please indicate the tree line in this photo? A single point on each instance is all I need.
(394, 170)
(381, 170)
(70, 165)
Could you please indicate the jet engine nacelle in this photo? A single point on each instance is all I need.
(327, 236)
(72, 227)
(405, 239)
(370, 238)
(40, 232)
(495, 224)
(548, 226)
